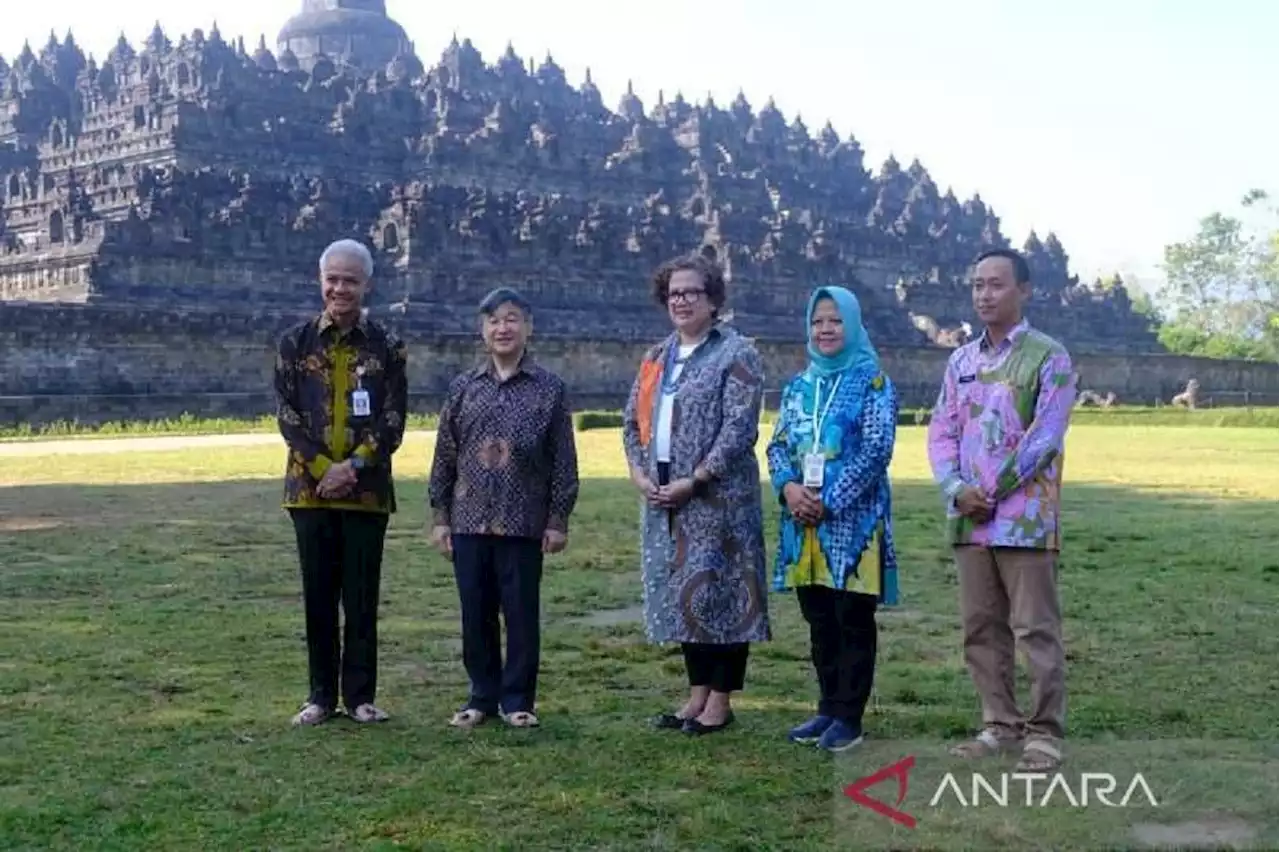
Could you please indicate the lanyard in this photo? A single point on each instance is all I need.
(817, 395)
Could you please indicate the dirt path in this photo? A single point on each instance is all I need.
(96, 446)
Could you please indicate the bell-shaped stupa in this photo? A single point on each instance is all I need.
(347, 32)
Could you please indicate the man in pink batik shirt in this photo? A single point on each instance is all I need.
(996, 444)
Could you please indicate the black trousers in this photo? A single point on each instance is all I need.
(340, 552)
(842, 639)
(723, 668)
(500, 574)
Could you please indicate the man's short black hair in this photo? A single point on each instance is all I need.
(1021, 269)
(504, 295)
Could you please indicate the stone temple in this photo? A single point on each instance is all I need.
(353, 34)
(195, 176)
(196, 171)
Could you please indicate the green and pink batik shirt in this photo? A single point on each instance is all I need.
(1000, 423)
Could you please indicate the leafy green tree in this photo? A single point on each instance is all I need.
(1222, 289)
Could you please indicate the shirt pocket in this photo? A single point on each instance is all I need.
(972, 398)
(368, 368)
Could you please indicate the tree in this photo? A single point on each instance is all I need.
(1140, 301)
(1221, 288)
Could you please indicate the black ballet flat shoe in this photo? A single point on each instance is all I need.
(668, 722)
(695, 728)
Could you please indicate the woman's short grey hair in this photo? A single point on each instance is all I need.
(350, 248)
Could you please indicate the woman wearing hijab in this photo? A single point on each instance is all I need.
(828, 462)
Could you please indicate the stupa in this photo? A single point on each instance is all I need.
(351, 33)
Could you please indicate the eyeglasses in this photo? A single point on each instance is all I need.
(677, 297)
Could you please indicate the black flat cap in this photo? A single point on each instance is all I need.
(501, 296)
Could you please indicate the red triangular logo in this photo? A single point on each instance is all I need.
(898, 770)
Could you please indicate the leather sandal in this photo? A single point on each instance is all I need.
(1039, 755)
(366, 713)
(986, 744)
(312, 714)
(467, 718)
(521, 719)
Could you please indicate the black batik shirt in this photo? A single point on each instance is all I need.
(505, 459)
(318, 365)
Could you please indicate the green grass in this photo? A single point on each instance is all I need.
(151, 654)
(189, 424)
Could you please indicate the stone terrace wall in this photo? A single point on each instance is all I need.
(95, 364)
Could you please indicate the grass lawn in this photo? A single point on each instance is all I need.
(151, 654)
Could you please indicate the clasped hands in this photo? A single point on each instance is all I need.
(673, 495)
(974, 504)
(337, 482)
(804, 503)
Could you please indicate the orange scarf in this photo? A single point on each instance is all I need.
(650, 381)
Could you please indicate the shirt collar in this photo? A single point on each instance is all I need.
(325, 322)
(715, 332)
(984, 342)
(486, 368)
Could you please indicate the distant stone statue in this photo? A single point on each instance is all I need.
(1092, 399)
(1188, 396)
(950, 338)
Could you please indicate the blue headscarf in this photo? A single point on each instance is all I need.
(857, 351)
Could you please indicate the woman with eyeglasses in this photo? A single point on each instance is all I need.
(689, 433)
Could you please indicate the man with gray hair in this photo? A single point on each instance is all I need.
(341, 398)
(504, 481)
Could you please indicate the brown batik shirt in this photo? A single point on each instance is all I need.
(505, 460)
(318, 366)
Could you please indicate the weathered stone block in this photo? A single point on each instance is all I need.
(95, 364)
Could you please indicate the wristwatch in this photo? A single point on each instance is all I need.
(357, 463)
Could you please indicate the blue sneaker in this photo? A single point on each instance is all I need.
(811, 730)
(839, 736)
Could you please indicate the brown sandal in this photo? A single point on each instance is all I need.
(986, 744)
(1039, 755)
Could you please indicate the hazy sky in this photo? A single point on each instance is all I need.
(1117, 124)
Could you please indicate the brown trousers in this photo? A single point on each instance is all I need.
(1009, 593)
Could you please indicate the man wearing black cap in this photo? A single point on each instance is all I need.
(503, 484)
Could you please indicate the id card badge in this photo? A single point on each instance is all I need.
(360, 403)
(814, 466)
